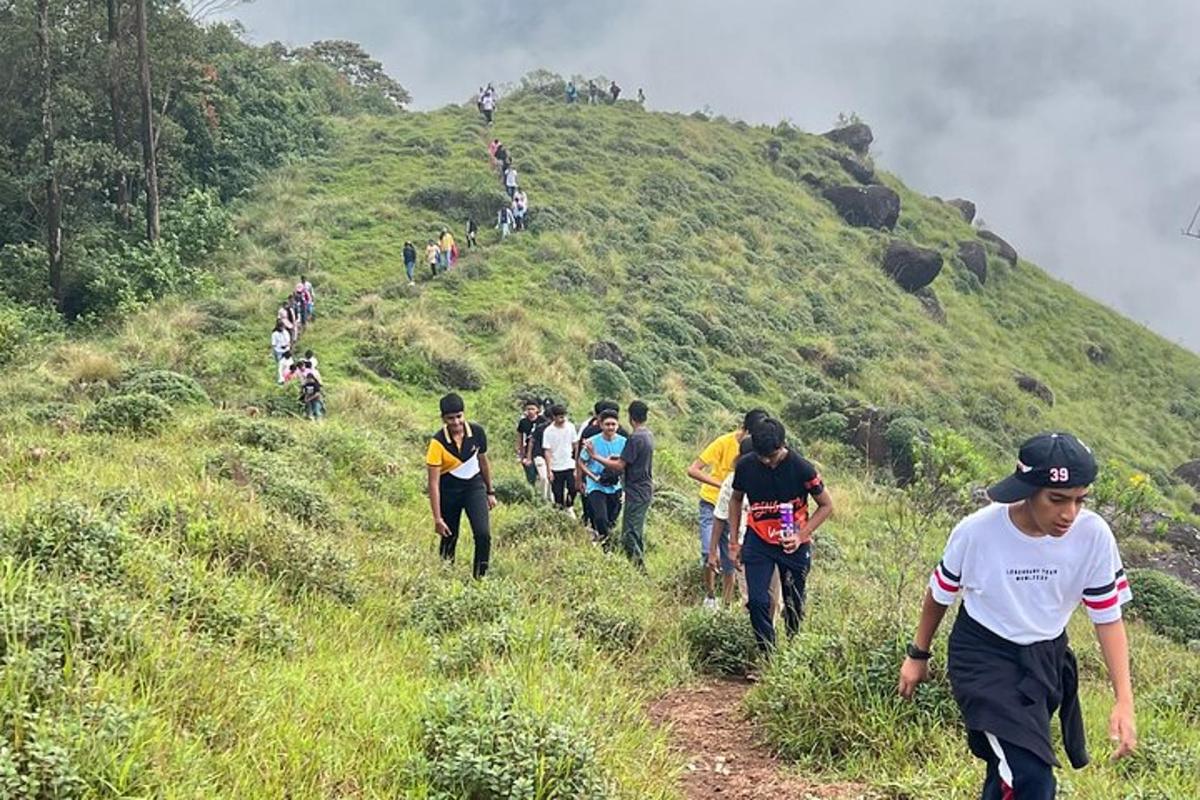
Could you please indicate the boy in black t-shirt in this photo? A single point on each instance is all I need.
(526, 425)
(774, 480)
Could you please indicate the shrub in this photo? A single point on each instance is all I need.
(166, 385)
(216, 612)
(457, 373)
(608, 380)
(808, 404)
(905, 437)
(481, 200)
(286, 488)
(513, 491)
(63, 536)
(480, 741)
(831, 425)
(198, 224)
(465, 652)
(51, 412)
(138, 413)
(257, 433)
(534, 523)
(448, 605)
(846, 679)
(643, 373)
(618, 630)
(1166, 604)
(747, 380)
(22, 327)
(720, 643)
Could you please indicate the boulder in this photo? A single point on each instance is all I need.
(965, 207)
(910, 266)
(813, 180)
(857, 137)
(1028, 383)
(1189, 473)
(861, 171)
(1003, 248)
(868, 429)
(1096, 353)
(973, 255)
(607, 351)
(865, 206)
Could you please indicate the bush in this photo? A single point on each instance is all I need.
(198, 224)
(906, 438)
(22, 327)
(1169, 606)
(808, 404)
(479, 200)
(138, 413)
(257, 433)
(63, 536)
(457, 373)
(846, 679)
(608, 380)
(721, 643)
(479, 741)
(448, 605)
(169, 386)
(217, 613)
(285, 487)
(747, 380)
(513, 491)
(117, 278)
(467, 651)
(617, 630)
(831, 426)
(536, 523)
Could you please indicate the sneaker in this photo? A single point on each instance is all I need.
(571, 513)
(710, 604)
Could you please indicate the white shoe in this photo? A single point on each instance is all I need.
(710, 604)
(571, 513)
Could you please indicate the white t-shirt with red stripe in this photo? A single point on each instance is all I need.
(1024, 588)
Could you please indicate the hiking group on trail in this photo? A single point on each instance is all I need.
(295, 314)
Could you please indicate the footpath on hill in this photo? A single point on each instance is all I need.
(709, 730)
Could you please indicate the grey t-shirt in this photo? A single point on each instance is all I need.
(638, 456)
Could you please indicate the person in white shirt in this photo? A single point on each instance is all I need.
(281, 345)
(720, 523)
(1022, 566)
(511, 181)
(558, 448)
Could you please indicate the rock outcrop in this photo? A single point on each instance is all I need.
(910, 266)
(973, 255)
(607, 351)
(857, 137)
(865, 206)
(1003, 248)
(1028, 383)
(1189, 473)
(965, 207)
(861, 171)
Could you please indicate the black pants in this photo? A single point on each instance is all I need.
(604, 509)
(760, 560)
(1012, 771)
(562, 486)
(473, 500)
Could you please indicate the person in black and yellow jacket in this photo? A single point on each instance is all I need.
(460, 479)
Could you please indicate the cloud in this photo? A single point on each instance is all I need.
(1072, 125)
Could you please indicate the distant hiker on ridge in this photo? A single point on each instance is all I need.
(487, 106)
(614, 91)
(472, 233)
(504, 221)
(572, 93)
(511, 180)
(433, 255)
(593, 93)
(410, 261)
(641, 97)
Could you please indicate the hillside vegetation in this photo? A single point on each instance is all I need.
(204, 595)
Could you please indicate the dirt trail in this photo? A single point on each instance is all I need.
(709, 729)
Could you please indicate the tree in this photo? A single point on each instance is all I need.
(120, 188)
(54, 251)
(354, 64)
(149, 159)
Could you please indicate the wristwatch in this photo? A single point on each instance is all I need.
(917, 654)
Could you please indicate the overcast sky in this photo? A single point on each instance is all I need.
(1075, 125)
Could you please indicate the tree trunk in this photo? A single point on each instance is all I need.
(149, 160)
(120, 187)
(54, 253)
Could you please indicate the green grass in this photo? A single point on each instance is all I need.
(262, 612)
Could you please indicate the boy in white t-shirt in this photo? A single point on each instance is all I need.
(558, 447)
(1022, 565)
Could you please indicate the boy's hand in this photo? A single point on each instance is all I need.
(913, 672)
(714, 562)
(1122, 729)
(440, 527)
(492, 502)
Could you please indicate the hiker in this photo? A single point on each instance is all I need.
(487, 106)
(300, 306)
(558, 448)
(493, 146)
(281, 341)
(460, 479)
(433, 254)
(614, 91)
(284, 367)
(636, 462)
(777, 483)
(501, 161)
(543, 487)
(530, 419)
(445, 249)
(520, 206)
(592, 428)
(602, 495)
(504, 221)
(641, 97)
(472, 233)
(311, 397)
(310, 298)
(310, 362)
(410, 261)
(572, 93)
(1022, 565)
(284, 317)
(593, 93)
(718, 458)
(479, 100)
(511, 181)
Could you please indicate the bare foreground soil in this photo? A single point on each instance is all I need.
(724, 760)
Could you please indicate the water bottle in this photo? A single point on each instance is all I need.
(787, 520)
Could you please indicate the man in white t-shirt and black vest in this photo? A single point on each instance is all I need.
(1021, 566)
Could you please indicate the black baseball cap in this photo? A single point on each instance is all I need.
(1048, 460)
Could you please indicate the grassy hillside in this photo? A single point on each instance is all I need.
(205, 596)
